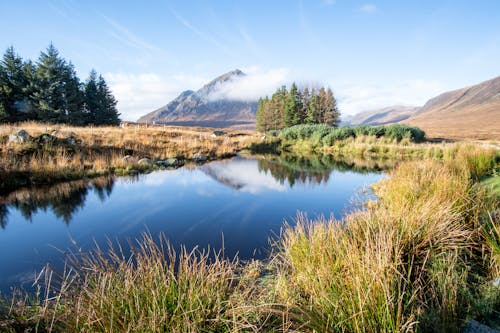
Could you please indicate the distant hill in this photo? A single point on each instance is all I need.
(387, 115)
(201, 108)
(471, 112)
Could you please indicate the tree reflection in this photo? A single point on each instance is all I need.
(63, 199)
(312, 169)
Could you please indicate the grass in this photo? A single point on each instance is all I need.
(416, 260)
(419, 259)
(49, 158)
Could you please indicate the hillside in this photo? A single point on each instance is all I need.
(201, 108)
(387, 115)
(471, 112)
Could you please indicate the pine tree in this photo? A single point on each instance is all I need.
(50, 91)
(260, 116)
(12, 81)
(73, 96)
(91, 99)
(291, 107)
(321, 106)
(108, 114)
(312, 108)
(304, 101)
(332, 115)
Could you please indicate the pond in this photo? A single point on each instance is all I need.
(241, 203)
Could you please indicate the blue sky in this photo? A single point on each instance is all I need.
(371, 53)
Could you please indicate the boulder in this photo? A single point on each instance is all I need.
(46, 138)
(145, 162)
(169, 163)
(200, 158)
(21, 136)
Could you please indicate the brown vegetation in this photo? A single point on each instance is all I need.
(100, 150)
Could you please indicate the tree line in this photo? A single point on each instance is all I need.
(297, 106)
(49, 90)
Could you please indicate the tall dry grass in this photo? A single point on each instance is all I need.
(419, 259)
(100, 150)
(414, 261)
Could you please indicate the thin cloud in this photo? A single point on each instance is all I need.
(203, 35)
(368, 8)
(127, 37)
(257, 83)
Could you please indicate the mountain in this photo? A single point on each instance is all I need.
(470, 112)
(203, 108)
(387, 115)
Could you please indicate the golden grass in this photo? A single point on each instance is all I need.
(100, 150)
(420, 258)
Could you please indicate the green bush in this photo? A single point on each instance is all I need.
(326, 135)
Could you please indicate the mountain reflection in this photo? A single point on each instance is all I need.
(63, 199)
(271, 172)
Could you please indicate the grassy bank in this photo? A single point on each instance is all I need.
(57, 153)
(419, 259)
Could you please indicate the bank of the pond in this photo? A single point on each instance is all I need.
(420, 258)
(34, 154)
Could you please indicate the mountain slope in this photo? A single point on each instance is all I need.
(387, 115)
(201, 108)
(470, 112)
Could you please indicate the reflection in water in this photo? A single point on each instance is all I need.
(272, 173)
(235, 204)
(62, 199)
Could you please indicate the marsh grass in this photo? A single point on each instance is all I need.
(419, 259)
(415, 261)
(100, 150)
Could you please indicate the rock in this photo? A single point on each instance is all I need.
(46, 138)
(496, 282)
(216, 134)
(128, 159)
(169, 163)
(21, 136)
(145, 162)
(71, 139)
(473, 326)
(200, 158)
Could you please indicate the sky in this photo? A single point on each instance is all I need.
(371, 53)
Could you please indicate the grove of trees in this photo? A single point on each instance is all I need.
(297, 106)
(49, 90)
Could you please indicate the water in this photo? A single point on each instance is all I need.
(241, 202)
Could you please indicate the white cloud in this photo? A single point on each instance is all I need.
(368, 8)
(354, 98)
(257, 83)
(138, 94)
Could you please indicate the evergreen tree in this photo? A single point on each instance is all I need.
(50, 86)
(73, 96)
(291, 107)
(312, 109)
(332, 115)
(321, 106)
(12, 81)
(304, 102)
(108, 114)
(91, 98)
(260, 116)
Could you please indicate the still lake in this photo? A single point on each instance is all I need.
(242, 202)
